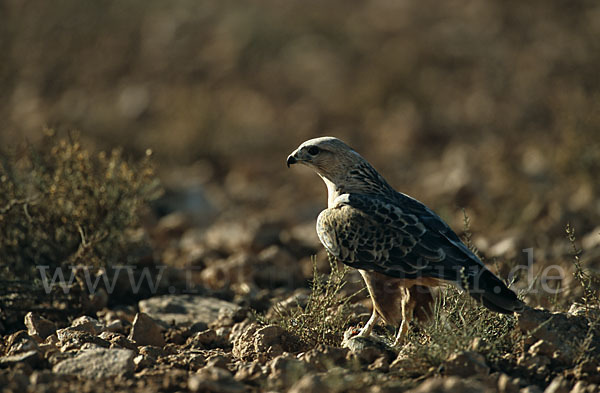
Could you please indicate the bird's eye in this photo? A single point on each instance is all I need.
(313, 150)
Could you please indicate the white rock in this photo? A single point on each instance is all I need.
(98, 363)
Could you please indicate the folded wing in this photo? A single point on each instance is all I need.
(402, 238)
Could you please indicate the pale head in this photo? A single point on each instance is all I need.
(328, 156)
(342, 169)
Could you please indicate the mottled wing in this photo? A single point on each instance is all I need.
(375, 233)
(433, 222)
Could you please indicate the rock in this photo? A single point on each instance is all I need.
(15, 380)
(507, 385)
(537, 364)
(147, 357)
(185, 309)
(334, 380)
(175, 336)
(286, 370)
(249, 372)
(68, 334)
(465, 364)
(72, 338)
(118, 340)
(223, 334)
(558, 385)
(239, 329)
(39, 326)
(558, 330)
(141, 362)
(115, 326)
(214, 379)
(451, 385)
(531, 389)
(145, 331)
(31, 358)
(310, 383)
(548, 350)
(265, 342)
(542, 347)
(150, 351)
(98, 363)
(39, 377)
(49, 346)
(324, 357)
(88, 324)
(237, 269)
(582, 387)
(228, 318)
(218, 361)
(56, 357)
(198, 327)
(189, 360)
(21, 342)
(195, 361)
(270, 340)
(203, 339)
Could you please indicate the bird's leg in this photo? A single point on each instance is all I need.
(401, 333)
(366, 330)
(408, 307)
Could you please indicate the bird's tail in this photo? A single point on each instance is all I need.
(488, 289)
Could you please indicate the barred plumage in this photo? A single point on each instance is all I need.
(395, 241)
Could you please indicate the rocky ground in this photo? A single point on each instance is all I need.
(205, 344)
(205, 331)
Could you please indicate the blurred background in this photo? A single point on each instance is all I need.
(491, 106)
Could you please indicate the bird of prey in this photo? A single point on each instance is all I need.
(397, 243)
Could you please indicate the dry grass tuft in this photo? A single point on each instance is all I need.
(324, 317)
(63, 206)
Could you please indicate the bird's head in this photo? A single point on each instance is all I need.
(328, 156)
(342, 168)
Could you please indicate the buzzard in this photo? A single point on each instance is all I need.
(399, 245)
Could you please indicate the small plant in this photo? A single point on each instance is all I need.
(324, 317)
(591, 301)
(458, 323)
(63, 206)
(60, 205)
(591, 297)
(467, 235)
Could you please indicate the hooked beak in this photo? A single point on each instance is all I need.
(291, 160)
